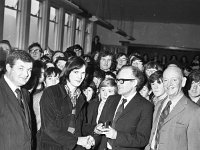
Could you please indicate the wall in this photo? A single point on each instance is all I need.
(179, 35)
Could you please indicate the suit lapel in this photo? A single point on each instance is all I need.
(179, 107)
(113, 107)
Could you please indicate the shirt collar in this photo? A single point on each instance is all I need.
(10, 84)
(129, 97)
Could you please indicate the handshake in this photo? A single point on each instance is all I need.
(87, 141)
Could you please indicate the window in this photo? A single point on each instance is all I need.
(78, 31)
(88, 37)
(34, 21)
(66, 36)
(53, 22)
(10, 21)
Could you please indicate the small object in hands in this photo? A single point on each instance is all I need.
(107, 124)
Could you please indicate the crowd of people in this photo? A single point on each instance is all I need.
(69, 100)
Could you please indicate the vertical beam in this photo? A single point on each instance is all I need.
(83, 32)
(2, 2)
(23, 24)
(60, 30)
(44, 24)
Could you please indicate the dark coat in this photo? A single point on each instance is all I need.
(133, 126)
(55, 108)
(15, 129)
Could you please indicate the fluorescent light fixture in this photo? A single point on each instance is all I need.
(93, 18)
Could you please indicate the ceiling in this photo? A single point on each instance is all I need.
(161, 11)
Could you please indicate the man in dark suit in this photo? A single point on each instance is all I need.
(15, 126)
(179, 127)
(130, 114)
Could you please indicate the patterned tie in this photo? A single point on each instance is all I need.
(20, 100)
(162, 118)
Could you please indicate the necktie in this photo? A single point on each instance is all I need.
(20, 100)
(72, 123)
(162, 118)
(119, 112)
(117, 115)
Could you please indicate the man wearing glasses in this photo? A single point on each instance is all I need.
(35, 50)
(130, 114)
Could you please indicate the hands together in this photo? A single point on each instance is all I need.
(109, 132)
(87, 141)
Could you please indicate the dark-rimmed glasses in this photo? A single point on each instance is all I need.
(121, 81)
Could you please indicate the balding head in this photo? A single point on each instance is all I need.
(173, 81)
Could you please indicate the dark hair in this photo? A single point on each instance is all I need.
(6, 42)
(18, 55)
(193, 76)
(156, 76)
(108, 82)
(49, 71)
(98, 73)
(118, 55)
(139, 75)
(153, 65)
(136, 58)
(35, 45)
(109, 73)
(72, 63)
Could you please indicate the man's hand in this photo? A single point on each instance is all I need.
(109, 132)
(86, 142)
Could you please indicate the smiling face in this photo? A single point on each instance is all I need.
(19, 73)
(77, 76)
(173, 81)
(194, 90)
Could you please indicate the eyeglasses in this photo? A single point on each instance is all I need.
(121, 81)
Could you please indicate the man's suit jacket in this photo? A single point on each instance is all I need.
(15, 129)
(133, 126)
(180, 130)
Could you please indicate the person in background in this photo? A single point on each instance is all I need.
(129, 113)
(145, 91)
(15, 124)
(62, 108)
(151, 67)
(121, 59)
(78, 50)
(90, 91)
(96, 45)
(107, 87)
(56, 55)
(98, 77)
(51, 77)
(193, 86)
(105, 60)
(36, 51)
(60, 62)
(156, 82)
(137, 61)
(176, 119)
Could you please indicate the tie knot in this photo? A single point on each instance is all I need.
(19, 94)
(169, 103)
(124, 101)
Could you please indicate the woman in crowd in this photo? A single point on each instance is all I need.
(63, 120)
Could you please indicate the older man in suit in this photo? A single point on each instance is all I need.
(15, 126)
(130, 114)
(176, 123)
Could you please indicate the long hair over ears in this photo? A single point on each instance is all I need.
(72, 63)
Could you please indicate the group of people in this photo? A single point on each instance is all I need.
(68, 100)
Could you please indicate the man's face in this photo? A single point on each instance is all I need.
(77, 76)
(19, 73)
(127, 87)
(158, 88)
(173, 81)
(121, 61)
(105, 63)
(194, 90)
(35, 53)
(150, 71)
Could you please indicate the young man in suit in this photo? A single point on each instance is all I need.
(179, 126)
(130, 129)
(15, 123)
